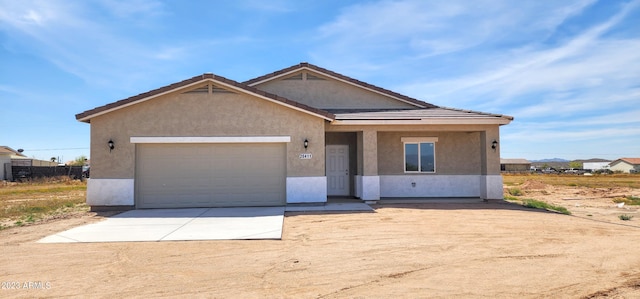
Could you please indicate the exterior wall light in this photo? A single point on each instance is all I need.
(306, 143)
(494, 144)
(110, 145)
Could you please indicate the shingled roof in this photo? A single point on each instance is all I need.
(422, 111)
(87, 115)
(632, 161)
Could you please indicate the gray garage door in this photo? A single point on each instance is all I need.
(210, 175)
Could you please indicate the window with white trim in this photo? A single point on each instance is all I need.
(419, 154)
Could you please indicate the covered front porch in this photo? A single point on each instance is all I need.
(390, 158)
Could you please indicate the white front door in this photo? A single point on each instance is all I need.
(337, 164)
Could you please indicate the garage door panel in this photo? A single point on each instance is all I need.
(210, 175)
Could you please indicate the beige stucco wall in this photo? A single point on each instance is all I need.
(622, 166)
(203, 114)
(461, 149)
(456, 152)
(329, 94)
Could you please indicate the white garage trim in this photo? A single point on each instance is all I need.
(226, 139)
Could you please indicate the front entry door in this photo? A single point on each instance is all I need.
(337, 164)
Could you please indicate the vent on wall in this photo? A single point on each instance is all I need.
(312, 77)
(295, 77)
(303, 76)
(217, 89)
(205, 89)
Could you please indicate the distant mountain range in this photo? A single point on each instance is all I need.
(551, 160)
(560, 160)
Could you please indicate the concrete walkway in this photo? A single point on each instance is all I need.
(180, 225)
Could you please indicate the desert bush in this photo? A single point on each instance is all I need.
(628, 200)
(625, 217)
(515, 192)
(536, 204)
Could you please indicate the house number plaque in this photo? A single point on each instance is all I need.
(305, 156)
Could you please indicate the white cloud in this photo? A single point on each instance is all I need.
(414, 30)
(565, 86)
(536, 134)
(70, 36)
(570, 78)
(592, 64)
(27, 14)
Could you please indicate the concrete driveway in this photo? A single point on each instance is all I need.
(180, 225)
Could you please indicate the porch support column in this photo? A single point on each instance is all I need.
(368, 180)
(490, 178)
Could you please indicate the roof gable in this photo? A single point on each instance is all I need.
(196, 83)
(631, 161)
(304, 66)
(7, 150)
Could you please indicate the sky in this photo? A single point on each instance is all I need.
(568, 71)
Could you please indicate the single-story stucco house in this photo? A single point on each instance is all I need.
(298, 135)
(626, 165)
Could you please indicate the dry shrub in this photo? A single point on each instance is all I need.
(516, 192)
(628, 200)
(533, 185)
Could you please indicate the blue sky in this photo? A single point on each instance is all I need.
(568, 71)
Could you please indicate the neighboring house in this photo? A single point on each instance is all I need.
(298, 135)
(628, 165)
(6, 155)
(515, 165)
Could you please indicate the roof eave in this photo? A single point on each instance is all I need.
(427, 121)
(87, 115)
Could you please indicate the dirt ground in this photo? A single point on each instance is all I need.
(483, 250)
(595, 203)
